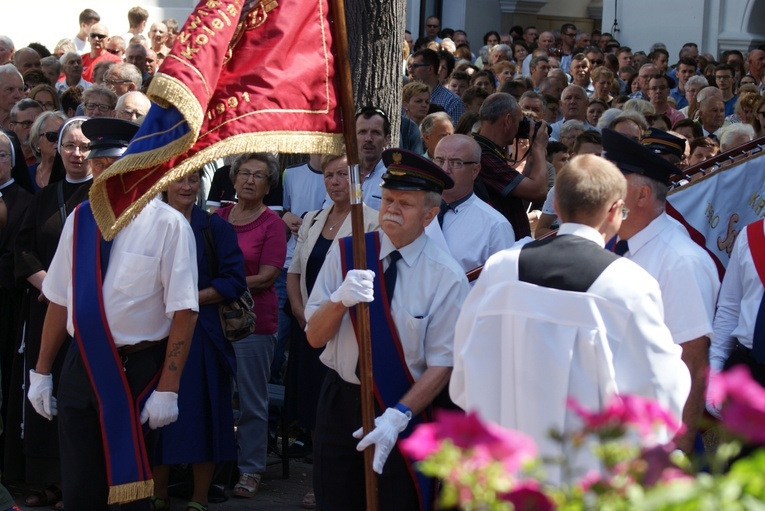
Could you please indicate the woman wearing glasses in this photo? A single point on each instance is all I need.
(260, 233)
(43, 139)
(36, 243)
(99, 101)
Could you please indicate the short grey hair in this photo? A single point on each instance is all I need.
(34, 132)
(126, 71)
(68, 55)
(639, 105)
(7, 42)
(427, 123)
(571, 125)
(431, 200)
(502, 47)
(735, 130)
(630, 115)
(51, 61)
(10, 69)
(497, 105)
(699, 80)
(272, 166)
(658, 189)
(608, 116)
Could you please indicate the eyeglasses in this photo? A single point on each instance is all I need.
(570, 34)
(453, 163)
(96, 106)
(48, 105)
(51, 136)
(415, 66)
(624, 209)
(132, 114)
(113, 52)
(24, 124)
(598, 62)
(5, 156)
(71, 148)
(114, 83)
(247, 175)
(98, 36)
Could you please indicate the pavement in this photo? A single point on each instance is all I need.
(275, 494)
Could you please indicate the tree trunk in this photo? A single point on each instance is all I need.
(375, 44)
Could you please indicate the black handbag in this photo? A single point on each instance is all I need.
(237, 317)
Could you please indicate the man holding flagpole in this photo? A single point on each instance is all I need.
(415, 292)
(131, 305)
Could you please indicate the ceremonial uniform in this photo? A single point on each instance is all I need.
(687, 276)
(474, 231)
(605, 335)
(152, 273)
(412, 334)
(741, 294)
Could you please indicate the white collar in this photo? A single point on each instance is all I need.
(583, 231)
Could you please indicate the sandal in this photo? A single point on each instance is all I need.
(158, 504)
(309, 500)
(196, 506)
(247, 486)
(46, 497)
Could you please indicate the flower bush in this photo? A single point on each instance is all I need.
(485, 467)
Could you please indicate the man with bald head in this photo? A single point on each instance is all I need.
(132, 106)
(573, 102)
(6, 49)
(461, 210)
(26, 59)
(98, 38)
(546, 42)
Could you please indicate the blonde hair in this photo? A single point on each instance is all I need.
(413, 88)
(585, 186)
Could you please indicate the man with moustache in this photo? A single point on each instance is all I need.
(415, 290)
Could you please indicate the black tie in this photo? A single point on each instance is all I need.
(391, 273)
(442, 212)
(621, 247)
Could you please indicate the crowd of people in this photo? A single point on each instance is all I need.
(500, 144)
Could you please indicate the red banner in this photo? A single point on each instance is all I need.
(232, 84)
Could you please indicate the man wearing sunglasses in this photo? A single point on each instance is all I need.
(687, 277)
(99, 39)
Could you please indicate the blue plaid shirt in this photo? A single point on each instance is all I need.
(449, 100)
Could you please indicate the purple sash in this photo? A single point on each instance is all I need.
(392, 378)
(127, 465)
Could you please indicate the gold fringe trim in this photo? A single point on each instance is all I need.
(130, 492)
(272, 141)
(166, 90)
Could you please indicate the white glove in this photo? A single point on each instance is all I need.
(161, 409)
(384, 436)
(358, 286)
(41, 394)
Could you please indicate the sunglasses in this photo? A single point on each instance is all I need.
(369, 111)
(99, 36)
(113, 52)
(51, 136)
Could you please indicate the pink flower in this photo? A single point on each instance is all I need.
(487, 442)
(627, 411)
(742, 400)
(527, 496)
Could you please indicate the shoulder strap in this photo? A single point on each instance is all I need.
(754, 232)
(212, 260)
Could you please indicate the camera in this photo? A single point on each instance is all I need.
(524, 128)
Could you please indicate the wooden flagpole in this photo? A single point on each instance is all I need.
(359, 246)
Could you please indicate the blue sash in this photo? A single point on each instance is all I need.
(127, 465)
(392, 378)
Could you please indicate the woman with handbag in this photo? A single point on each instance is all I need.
(263, 241)
(305, 372)
(203, 435)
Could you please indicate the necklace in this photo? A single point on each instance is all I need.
(331, 227)
(234, 219)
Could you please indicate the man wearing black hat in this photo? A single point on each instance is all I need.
(517, 359)
(686, 274)
(124, 368)
(415, 290)
(666, 145)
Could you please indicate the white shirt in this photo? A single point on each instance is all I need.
(686, 274)
(555, 135)
(430, 289)
(548, 208)
(304, 191)
(61, 85)
(739, 302)
(517, 357)
(82, 46)
(371, 193)
(152, 273)
(474, 231)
